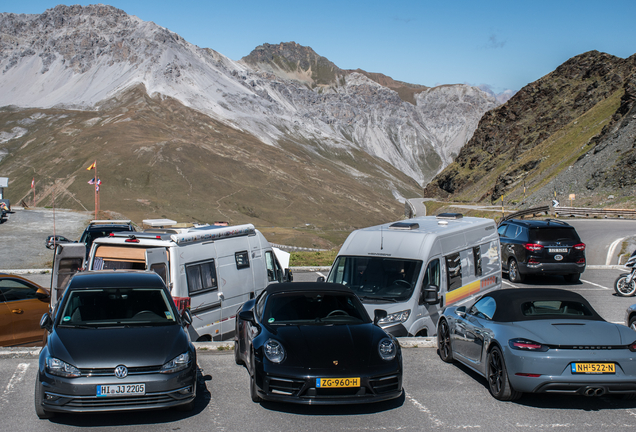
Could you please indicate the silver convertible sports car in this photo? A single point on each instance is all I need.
(534, 340)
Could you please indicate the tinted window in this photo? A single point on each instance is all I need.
(555, 307)
(554, 234)
(242, 260)
(14, 290)
(454, 271)
(477, 260)
(484, 308)
(314, 309)
(116, 306)
(502, 230)
(201, 277)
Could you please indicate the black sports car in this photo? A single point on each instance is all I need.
(314, 343)
(115, 343)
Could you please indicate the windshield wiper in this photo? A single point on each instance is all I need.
(378, 298)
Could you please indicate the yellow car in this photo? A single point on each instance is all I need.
(22, 304)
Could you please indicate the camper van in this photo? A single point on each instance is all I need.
(210, 269)
(416, 267)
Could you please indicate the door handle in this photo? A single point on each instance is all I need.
(17, 311)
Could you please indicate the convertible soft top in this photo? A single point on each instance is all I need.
(512, 302)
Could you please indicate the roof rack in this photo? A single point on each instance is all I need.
(110, 221)
(159, 223)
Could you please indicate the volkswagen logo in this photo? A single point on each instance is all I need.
(121, 371)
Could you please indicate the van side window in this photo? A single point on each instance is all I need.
(201, 277)
(242, 260)
(477, 259)
(454, 271)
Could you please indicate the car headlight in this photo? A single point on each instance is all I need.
(58, 367)
(274, 351)
(397, 317)
(180, 362)
(387, 349)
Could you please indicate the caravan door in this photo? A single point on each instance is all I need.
(157, 261)
(68, 260)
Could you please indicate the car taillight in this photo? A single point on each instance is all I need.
(526, 345)
(528, 375)
(533, 261)
(134, 240)
(632, 347)
(182, 303)
(580, 261)
(533, 247)
(580, 246)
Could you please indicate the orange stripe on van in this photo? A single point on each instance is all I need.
(463, 292)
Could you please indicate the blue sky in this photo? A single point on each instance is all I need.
(504, 44)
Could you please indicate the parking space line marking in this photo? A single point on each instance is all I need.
(509, 284)
(595, 284)
(425, 410)
(17, 376)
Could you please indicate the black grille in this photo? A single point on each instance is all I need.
(111, 371)
(285, 386)
(95, 402)
(385, 384)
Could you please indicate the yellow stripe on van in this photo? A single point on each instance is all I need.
(463, 292)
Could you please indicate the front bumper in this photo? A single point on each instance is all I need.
(80, 394)
(382, 384)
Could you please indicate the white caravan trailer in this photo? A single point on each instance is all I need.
(416, 267)
(210, 269)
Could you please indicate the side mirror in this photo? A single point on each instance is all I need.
(186, 317)
(42, 294)
(46, 322)
(431, 294)
(320, 279)
(378, 314)
(461, 311)
(289, 276)
(247, 315)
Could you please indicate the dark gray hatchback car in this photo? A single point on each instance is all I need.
(116, 342)
(541, 247)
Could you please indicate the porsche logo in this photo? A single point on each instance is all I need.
(335, 362)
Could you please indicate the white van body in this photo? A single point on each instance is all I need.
(211, 269)
(390, 267)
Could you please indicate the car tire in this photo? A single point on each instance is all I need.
(253, 390)
(513, 272)
(39, 397)
(497, 376)
(444, 348)
(572, 278)
(237, 355)
(623, 289)
(632, 322)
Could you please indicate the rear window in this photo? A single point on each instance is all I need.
(554, 307)
(554, 234)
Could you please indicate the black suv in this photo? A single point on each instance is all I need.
(94, 230)
(541, 247)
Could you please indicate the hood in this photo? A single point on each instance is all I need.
(318, 347)
(110, 347)
(577, 332)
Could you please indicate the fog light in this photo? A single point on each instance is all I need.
(185, 391)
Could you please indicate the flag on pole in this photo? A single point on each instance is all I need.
(99, 182)
(97, 188)
(92, 181)
(92, 166)
(33, 183)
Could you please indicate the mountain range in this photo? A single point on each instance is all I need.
(282, 137)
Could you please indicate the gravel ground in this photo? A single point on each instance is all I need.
(23, 235)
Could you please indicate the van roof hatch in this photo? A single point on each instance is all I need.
(404, 225)
(450, 216)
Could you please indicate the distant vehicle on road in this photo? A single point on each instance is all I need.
(314, 343)
(539, 340)
(115, 343)
(22, 303)
(548, 246)
(625, 283)
(416, 267)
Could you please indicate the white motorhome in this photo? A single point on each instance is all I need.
(210, 269)
(416, 267)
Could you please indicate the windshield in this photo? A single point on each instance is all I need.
(117, 306)
(310, 308)
(377, 278)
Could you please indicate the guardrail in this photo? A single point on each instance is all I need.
(534, 211)
(592, 212)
